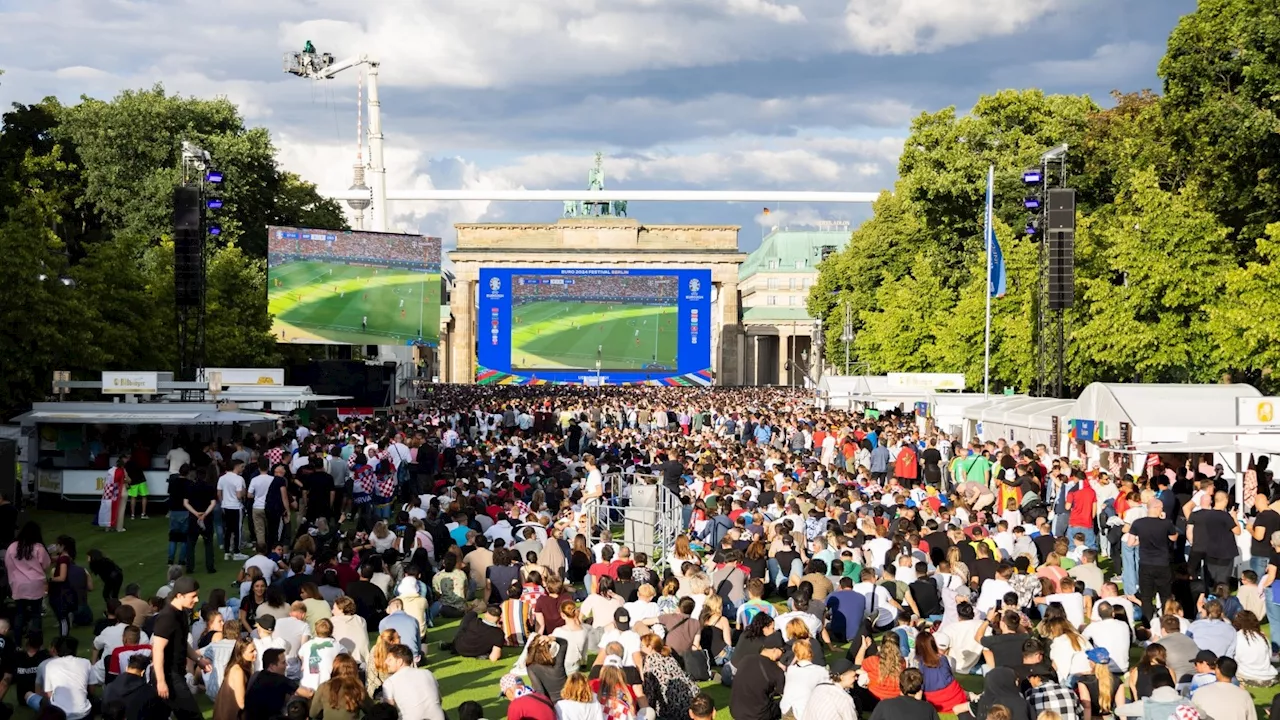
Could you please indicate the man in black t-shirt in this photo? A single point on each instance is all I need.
(480, 637)
(672, 473)
(1264, 524)
(319, 487)
(1154, 533)
(171, 649)
(268, 690)
(1004, 649)
(1211, 533)
(22, 666)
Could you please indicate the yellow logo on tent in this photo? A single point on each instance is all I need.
(266, 380)
(1266, 412)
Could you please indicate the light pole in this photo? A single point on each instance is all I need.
(846, 336)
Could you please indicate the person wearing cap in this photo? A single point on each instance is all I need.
(1206, 671)
(1047, 695)
(1163, 702)
(622, 634)
(758, 682)
(267, 640)
(831, 699)
(524, 702)
(1223, 699)
(171, 650)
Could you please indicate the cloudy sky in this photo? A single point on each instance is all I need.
(697, 94)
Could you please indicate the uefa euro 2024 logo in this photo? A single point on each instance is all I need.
(495, 284)
(694, 286)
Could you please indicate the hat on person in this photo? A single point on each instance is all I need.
(267, 622)
(1043, 670)
(612, 661)
(773, 642)
(185, 585)
(1098, 656)
(510, 682)
(1208, 657)
(840, 666)
(622, 619)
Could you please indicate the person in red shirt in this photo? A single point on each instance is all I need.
(905, 468)
(1082, 508)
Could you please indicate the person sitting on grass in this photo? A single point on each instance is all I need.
(480, 636)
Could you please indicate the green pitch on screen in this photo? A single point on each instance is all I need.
(558, 335)
(314, 301)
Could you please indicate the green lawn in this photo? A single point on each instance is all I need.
(558, 335)
(140, 552)
(320, 301)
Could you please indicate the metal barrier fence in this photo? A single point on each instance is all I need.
(649, 521)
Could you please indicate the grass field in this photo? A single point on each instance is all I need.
(558, 335)
(140, 552)
(326, 302)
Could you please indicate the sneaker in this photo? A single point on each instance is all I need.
(120, 530)
(144, 517)
(239, 556)
(226, 556)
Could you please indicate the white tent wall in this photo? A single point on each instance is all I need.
(843, 391)
(947, 411)
(1015, 418)
(1160, 412)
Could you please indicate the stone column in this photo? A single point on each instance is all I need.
(784, 353)
(462, 353)
(751, 347)
(729, 370)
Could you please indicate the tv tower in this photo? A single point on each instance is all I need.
(357, 182)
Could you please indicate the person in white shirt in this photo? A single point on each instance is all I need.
(317, 654)
(64, 679)
(877, 598)
(258, 489)
(1072, 602)
(994, 589)
(1114, 635)
(294, 630)
(959, 639)
(231, 490)
(500, 529)
(267, 640)
(110, 639)
(413, 691)
(624, 636)
(177, 457)
(644, 608)
(268, 567)
(1110, 594)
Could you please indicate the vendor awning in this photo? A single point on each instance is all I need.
(120, 414)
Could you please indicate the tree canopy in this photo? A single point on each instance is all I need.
(86, 221)
(1178, 235)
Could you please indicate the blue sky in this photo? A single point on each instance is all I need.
(697, 94)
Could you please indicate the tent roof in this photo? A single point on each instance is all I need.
(1162, 405)
(138, 414)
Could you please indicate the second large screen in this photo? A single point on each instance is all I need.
(563, 325)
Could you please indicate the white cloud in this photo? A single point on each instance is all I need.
(898, 27)
(1100, 67)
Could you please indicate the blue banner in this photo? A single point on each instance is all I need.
(997, 280)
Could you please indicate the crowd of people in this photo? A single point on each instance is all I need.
(832, 565)
(664, 289)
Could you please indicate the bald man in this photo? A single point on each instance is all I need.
(1154, 532)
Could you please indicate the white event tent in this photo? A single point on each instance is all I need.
(1158, 413)
(1015, 417)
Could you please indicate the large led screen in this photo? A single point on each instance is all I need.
(591, 325)
(353, 287)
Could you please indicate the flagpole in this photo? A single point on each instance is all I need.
(987, 231)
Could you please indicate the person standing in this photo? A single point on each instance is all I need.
(111, 509)
(1266, 522)
(592, 493)
(257, 492)
(1155, 532)
(201, 501)
(231, 491)
(1211, 532)
(1082, 508)
(171, 650)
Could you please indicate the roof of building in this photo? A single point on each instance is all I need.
(775, 313)
(789, 246)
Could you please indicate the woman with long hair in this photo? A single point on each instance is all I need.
(958, 568)
(580, 560)
(376, 671)
(342, 696)
(666, 686)
(1253, 652)
(1154, 660)
(669, 601)
(940, 686)
(752, 638)
(803, 676)
(615, 694)
(26, 562)
(577, 702)
(1066, 649)
(229, 704)
(882, 669)
(256, 598)
(1097, 688)
(544, 663)
(1052, 568)
(716, 636)
(683, 553)
(574, 635)
(62, 597)
(797, 633)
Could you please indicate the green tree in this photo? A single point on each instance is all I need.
(900, 334)
(238, 329)
(1221, 77)
(1151, 266)
(1245, 319)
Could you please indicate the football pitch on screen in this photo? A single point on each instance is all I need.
(314, 301)
(558, 335)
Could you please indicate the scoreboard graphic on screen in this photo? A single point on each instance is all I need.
(594, 325)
